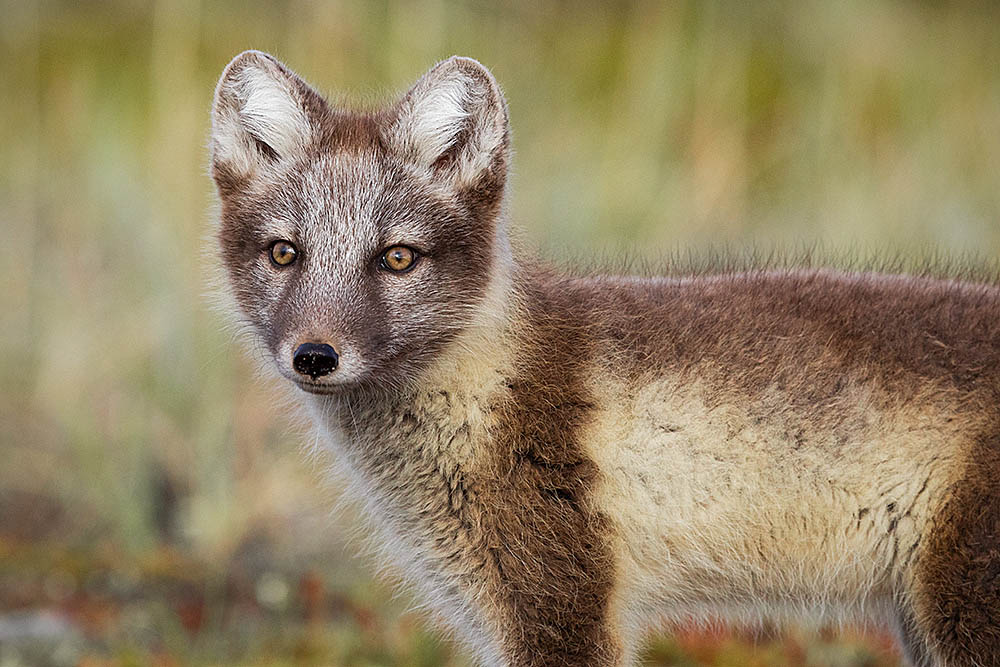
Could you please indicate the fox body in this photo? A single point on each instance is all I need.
(556, 464)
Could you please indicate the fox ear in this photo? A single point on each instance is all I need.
(454, 123)
(261, 115)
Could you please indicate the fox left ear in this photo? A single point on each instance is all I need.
(454, 123)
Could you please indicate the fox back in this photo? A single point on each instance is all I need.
(558, 464)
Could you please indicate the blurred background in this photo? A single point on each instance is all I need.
(155, 506)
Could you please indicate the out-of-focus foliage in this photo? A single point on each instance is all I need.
(154, 505)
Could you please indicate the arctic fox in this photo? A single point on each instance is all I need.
(557, 464)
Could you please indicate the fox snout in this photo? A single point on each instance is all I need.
(315, 359)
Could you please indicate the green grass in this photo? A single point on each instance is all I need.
(150, 488)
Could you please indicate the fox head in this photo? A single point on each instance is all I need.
(358, 244)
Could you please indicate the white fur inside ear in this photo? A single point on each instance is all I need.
(272, 112)
(455, 110)
(437, 119)
(257, 102)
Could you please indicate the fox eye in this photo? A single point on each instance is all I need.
(283, 253)
(399, 258)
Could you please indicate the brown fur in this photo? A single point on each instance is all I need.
(813, 334)
(553, 557)
(957, 602)
(481, 379)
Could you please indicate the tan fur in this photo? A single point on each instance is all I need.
(713, 512)
(556, 465)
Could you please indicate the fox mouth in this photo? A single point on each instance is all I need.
(334, 384)
(317, 388)
(311, 386)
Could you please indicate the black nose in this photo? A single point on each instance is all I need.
(314, 359)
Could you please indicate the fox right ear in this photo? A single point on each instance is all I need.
(454, 123)
(261, 115)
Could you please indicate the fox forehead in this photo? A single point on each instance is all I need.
(353, 198)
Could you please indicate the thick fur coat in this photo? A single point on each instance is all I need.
(556, 464)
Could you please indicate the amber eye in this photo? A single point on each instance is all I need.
(283, 253)
(399, 258)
